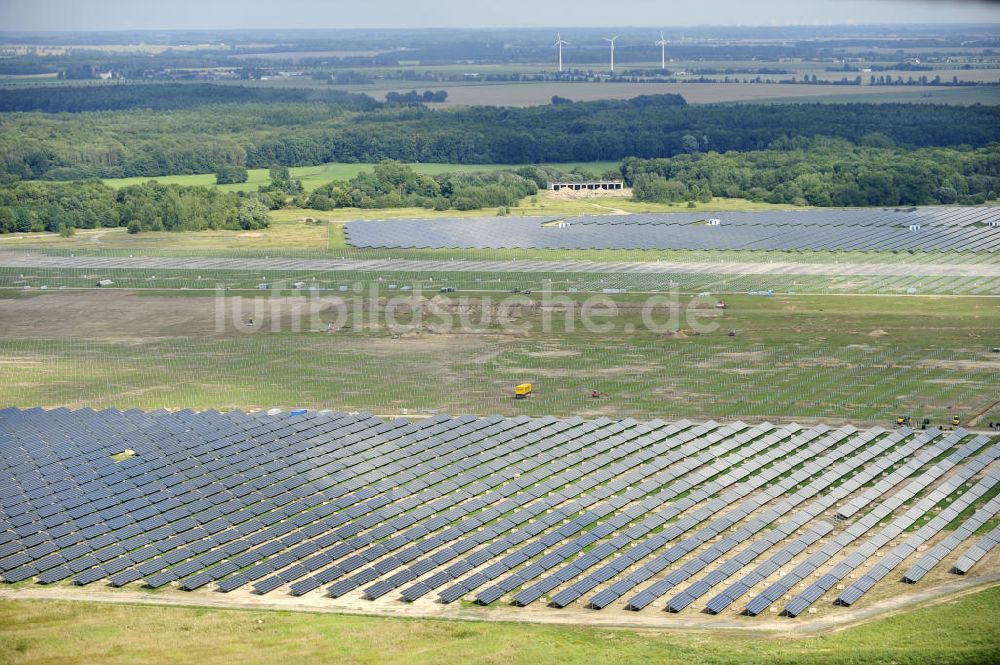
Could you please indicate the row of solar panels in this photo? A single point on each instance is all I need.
(866, 217)
(274, 516)
(893, 530)
(576, 270)
(784, 233)
(486, 506)
(885, 457)
(881, 452)
(519, 518)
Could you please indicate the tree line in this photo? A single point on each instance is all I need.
(392, 184)
(60, 206)
(823, 172)
(413, 98)
(258, 134)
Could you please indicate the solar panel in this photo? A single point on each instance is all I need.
(483, 508)
(826, 230)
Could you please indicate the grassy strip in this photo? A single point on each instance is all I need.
(314, 176)
(45, 632)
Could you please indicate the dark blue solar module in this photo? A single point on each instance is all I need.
(575, 512)
(865, 229)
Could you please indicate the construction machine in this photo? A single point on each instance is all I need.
(903, 421)
(522, 391)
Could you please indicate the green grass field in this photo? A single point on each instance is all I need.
(35, 632)
(314, 176)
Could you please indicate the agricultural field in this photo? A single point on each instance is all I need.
(962, 96)
(540, 94)
(532, 93)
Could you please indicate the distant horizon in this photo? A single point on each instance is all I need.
(500, 28)
(86, 16)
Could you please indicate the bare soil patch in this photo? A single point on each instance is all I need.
(106, 315)
(583, 373)
(566, 353)
(960, 365)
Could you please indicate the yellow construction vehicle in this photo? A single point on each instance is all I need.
(522, 391)
(903, 421)
(956, 421)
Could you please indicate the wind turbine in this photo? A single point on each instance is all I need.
(663, 51)
(560, 43)
(612, 40)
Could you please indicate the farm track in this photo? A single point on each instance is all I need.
(775, 628)
(26, 260)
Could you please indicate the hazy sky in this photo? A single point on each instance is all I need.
(217, 14)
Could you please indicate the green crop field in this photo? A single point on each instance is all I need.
(74, 632)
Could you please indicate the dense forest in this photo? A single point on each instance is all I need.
(823, 172)
(27, 206)
(395, 185)
(200, 139)
(62, 207)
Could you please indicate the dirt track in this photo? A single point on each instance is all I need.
(757, 627)
(33, 260)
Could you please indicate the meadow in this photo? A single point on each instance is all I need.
(78, 632)
(314, 176)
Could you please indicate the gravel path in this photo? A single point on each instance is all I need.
(30, 260)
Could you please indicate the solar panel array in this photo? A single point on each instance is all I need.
(591, 514)
(965, 229)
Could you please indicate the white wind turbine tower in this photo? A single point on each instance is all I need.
(663, 51)
(559, 44)
(611, 41)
